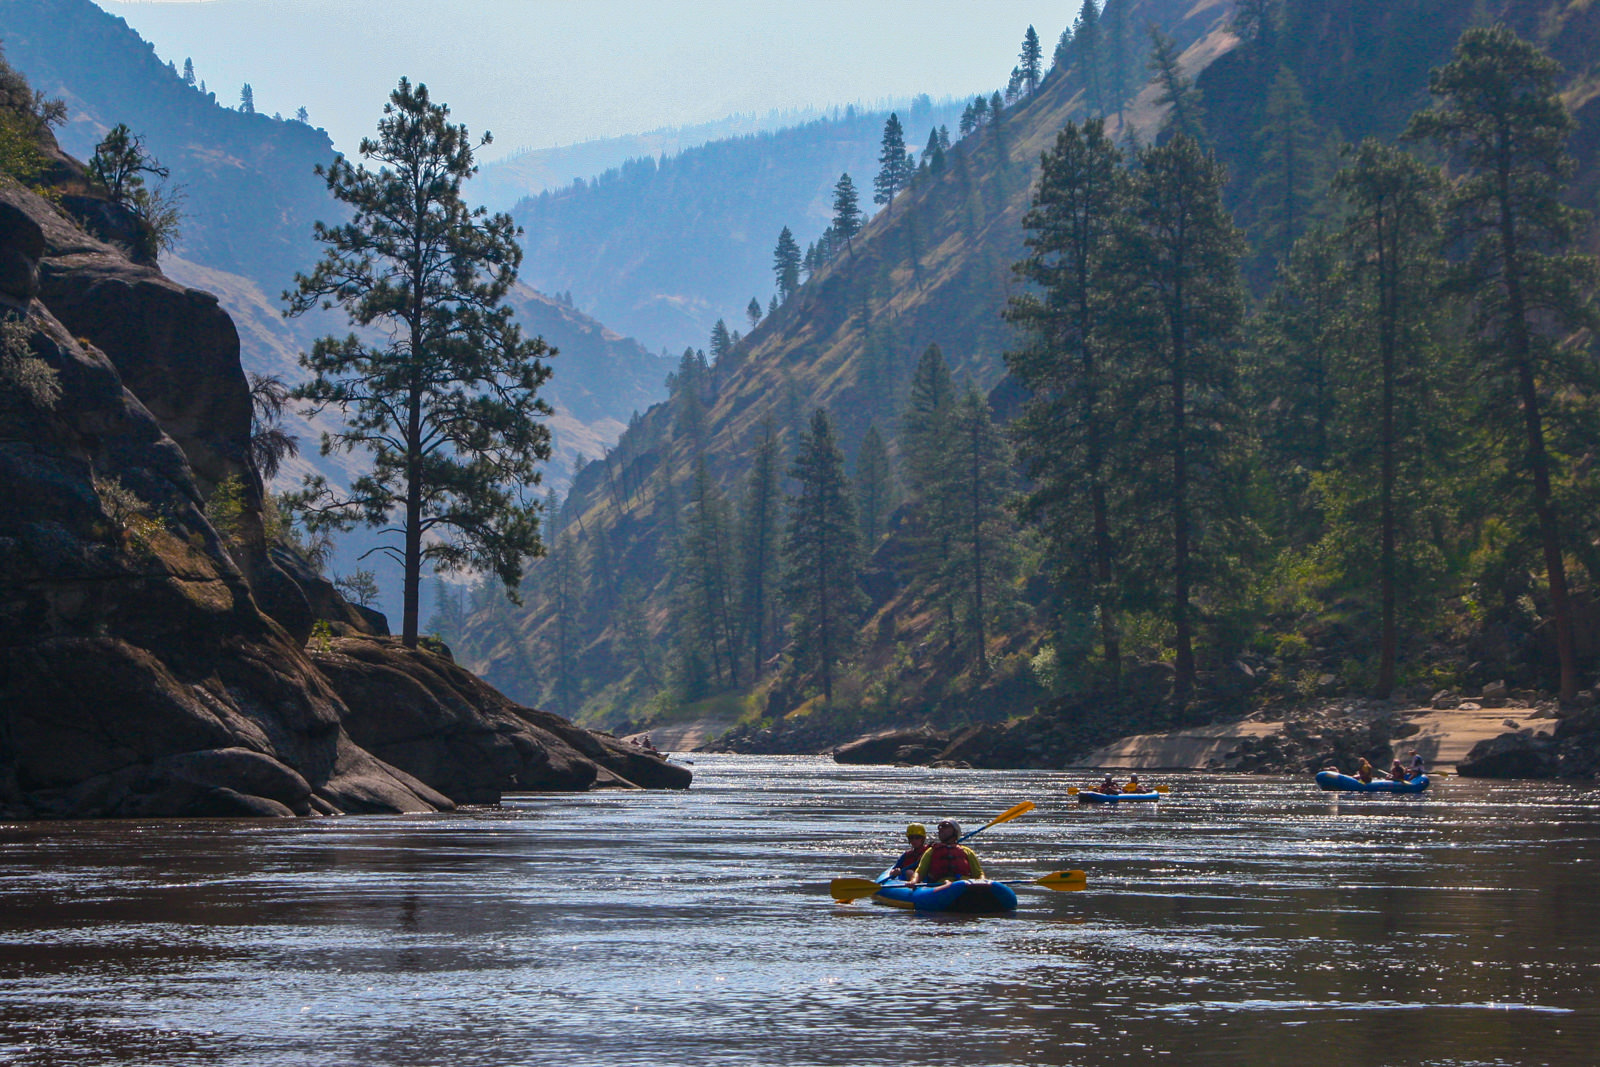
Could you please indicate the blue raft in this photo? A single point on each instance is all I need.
(1333, 780)
(1089, 796)
(977, 896)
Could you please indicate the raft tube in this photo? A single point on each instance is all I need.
(977, 896)
(1089, 796)
(1334, 780)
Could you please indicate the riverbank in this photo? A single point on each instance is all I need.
(1443, 736)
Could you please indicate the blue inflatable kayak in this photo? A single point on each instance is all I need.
(1344, 782)
(1089, 796)
(963, 897)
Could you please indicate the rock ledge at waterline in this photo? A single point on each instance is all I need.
(151, 667)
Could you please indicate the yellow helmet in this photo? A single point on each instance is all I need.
(916, 829)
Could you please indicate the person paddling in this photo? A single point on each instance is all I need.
(1133, 785)
(1418, 769)
(948, 860)
(1397, 771)
(1108, 785)
(906, 865)
(1364, 771)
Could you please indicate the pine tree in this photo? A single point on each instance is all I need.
(1032, 58)
(933, 155)
(892, 171)
(1288, 171)
(247, 99)
(441, 388)
(874, 487)
(1296, 341)
(925, 430)
(1497, 109)
(944, 138)
(786, 265)
(706, 564)
(188, 72)
(302, 115)
(1114, 34)
(752, 311)
(821, 550)
(1182, 306)
(721, 343)
(1067, 427)
(978, 484)
(759, 571)
(1393, 233)
(846, 210)
(1087, 50)
(1178, 93)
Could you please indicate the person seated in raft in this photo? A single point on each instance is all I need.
(1109, 785)
(947, 860)
(906, 865)
(1397, 771)
(1364, 771)
(1417, 768)
(1133, 785)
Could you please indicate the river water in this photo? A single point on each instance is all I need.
(1244, 920)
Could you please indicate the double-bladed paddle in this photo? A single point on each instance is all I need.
(1073, 791)
(844, 890)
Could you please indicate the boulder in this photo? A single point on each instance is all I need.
(1512, 755)
(882, 746)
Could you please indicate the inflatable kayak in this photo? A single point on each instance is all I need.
(1334, 780)
(1089, 796)
(963, 897)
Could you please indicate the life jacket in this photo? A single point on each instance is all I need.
(908, 859)
(949, 862)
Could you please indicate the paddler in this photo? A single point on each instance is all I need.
(1133, 785)
(1397, 771)
(1108, 785)
(1417, 767)
(906, 865)
(1364, 771)
(947, 860)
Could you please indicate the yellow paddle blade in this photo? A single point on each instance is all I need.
(1162, 789)
(1072, 790)
(844, 890)
(1064, 881)
(1010, 813)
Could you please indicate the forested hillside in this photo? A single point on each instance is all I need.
(933, 268)
(1283, 416)
(663, 248)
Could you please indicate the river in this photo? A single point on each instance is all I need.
(1244, 920)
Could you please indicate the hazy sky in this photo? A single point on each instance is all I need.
(548, 72)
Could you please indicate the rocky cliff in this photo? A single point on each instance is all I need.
(152, 666)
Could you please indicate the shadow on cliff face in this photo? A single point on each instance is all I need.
(148, 669)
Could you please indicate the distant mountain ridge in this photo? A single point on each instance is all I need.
(665, 248)
(504, 181)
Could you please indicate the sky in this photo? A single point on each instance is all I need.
(539, 73)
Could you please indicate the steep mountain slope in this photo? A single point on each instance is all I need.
(934, 269)
(662, 249)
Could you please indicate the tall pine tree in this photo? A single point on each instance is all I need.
(1497, 109)
(821, 555)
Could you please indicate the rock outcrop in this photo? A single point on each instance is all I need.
(139, 674)
(419, 711)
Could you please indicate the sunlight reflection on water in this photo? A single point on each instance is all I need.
(1243, 920)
